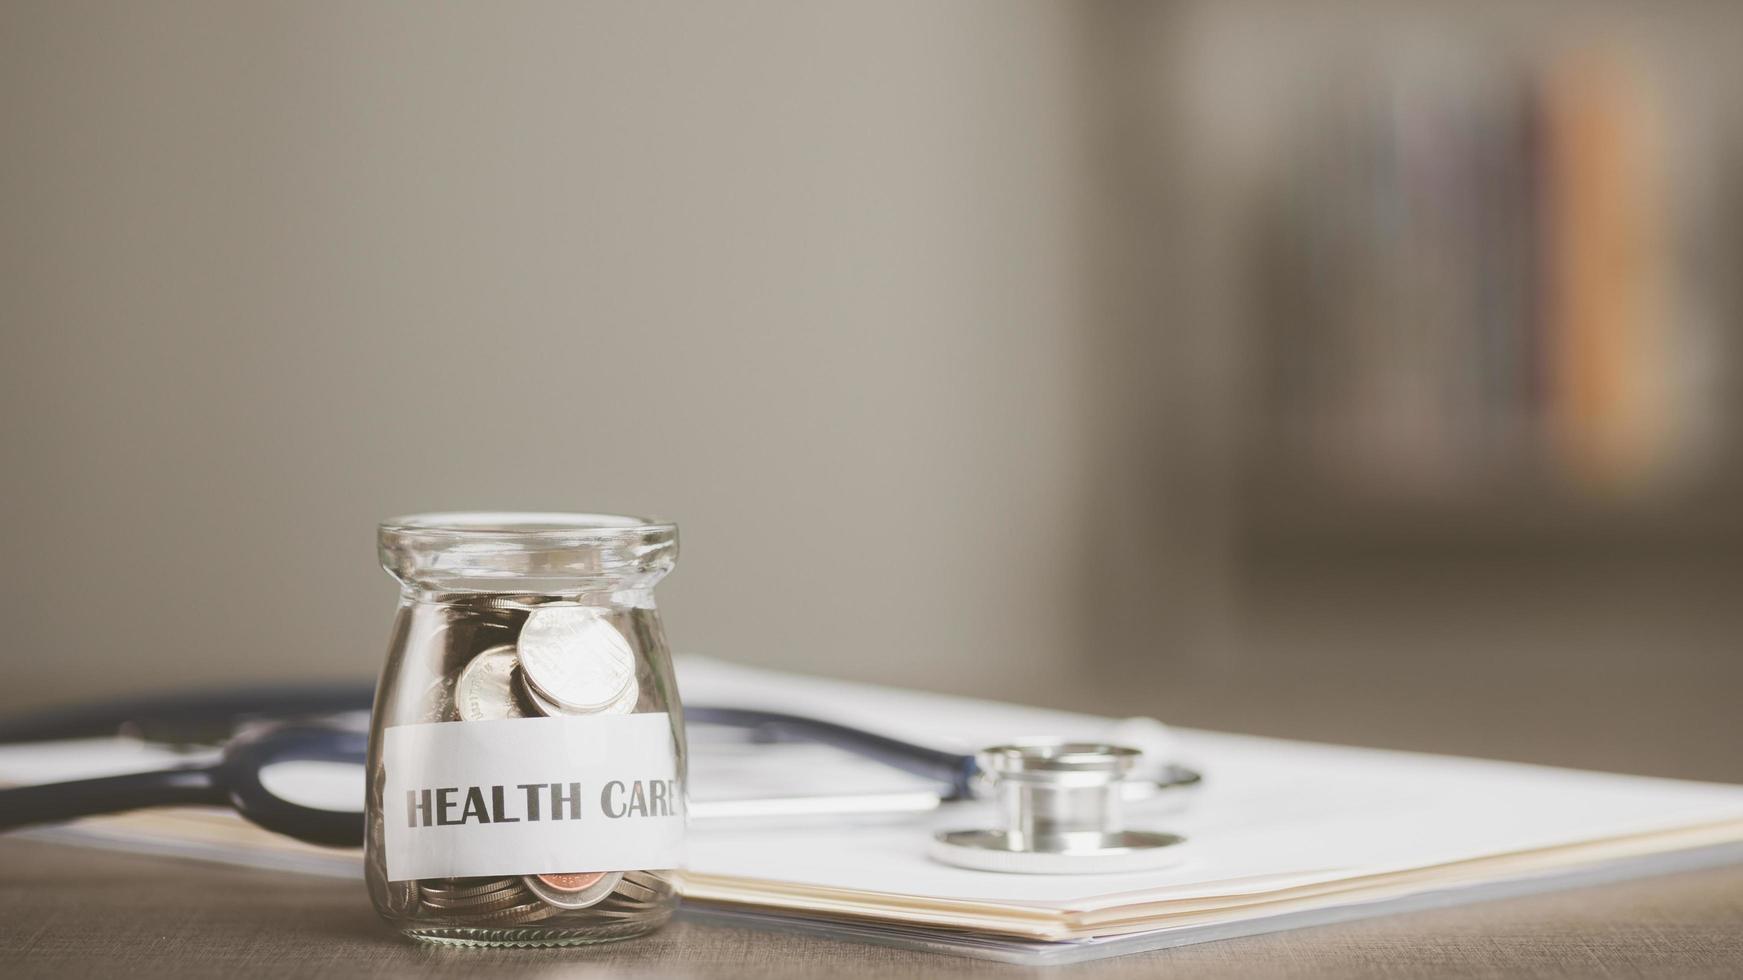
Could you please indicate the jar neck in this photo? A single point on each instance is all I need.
(622, 596)
(553, 555)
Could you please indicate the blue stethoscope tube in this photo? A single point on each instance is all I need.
(235, 781)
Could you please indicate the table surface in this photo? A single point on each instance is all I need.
(68, 911)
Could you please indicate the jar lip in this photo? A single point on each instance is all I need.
(549, 552)
(523, 525)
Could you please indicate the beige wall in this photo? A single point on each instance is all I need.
(803, 277)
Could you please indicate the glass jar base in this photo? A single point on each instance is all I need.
(528, 937)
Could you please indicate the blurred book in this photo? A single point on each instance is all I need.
(1483, 280)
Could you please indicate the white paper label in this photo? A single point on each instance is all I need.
(521, 796)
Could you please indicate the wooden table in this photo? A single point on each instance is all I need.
(76, 912)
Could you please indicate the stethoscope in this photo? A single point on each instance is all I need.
(1061, 802)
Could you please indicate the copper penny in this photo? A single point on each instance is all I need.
(572, 882)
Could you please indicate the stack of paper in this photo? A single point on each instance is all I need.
(1282, 833)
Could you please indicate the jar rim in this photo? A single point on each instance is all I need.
(550, 551)
(522, 524)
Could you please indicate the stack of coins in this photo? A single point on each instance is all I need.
(620, 894)
(485, 901)
(639, 893)
(567, 660)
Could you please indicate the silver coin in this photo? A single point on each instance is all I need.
(575, 658)
(620, 907)
(454, 644)
(465, 887)
(537, 703)
(623, 899)
(531, 911)
(564, 899)
(626, 702)
(485, 903)
(636, 892)
(608, 912)
(484, 691)
(462, 896)
(643, 892)
(532, 699)
(467, 891)
(437, 701)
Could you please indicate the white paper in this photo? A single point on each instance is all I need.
(531, 796)
(1277, 825)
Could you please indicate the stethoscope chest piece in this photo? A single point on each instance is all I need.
(1062, 804)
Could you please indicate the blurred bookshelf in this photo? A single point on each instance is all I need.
(1497, 321)
(1434, 369)
(1480, 272)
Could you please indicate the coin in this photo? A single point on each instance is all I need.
(638, 892)
(651, 881)
(484, 691)
(572, 882)
(531, 698)
(529, 912)
(608, 912)
(466, 898)
(468, 632)
(626, 702)
(465, 887)
(569, 898)
(484, 903)
(575, 658)
(436, 701)
(536, 703)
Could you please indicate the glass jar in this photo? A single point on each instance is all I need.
(526, 753)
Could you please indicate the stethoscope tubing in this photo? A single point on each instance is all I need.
(954, 770)
(224, 711)
(24, 806)
(235, 779)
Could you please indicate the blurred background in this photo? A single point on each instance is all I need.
(1355, 371)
